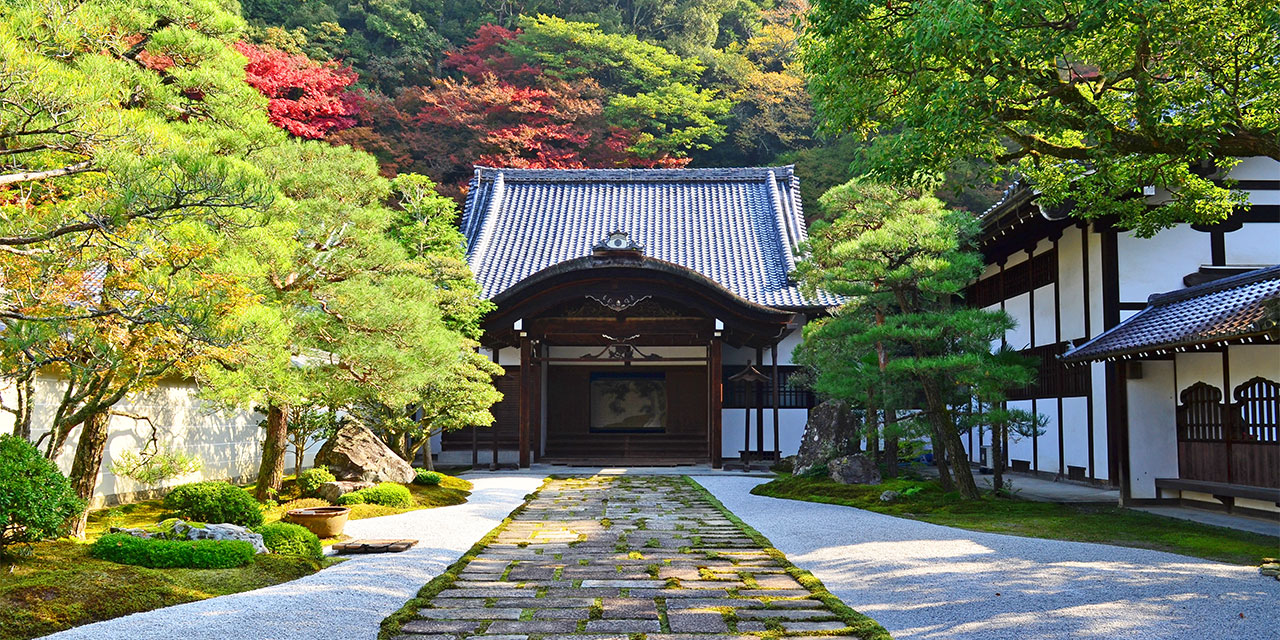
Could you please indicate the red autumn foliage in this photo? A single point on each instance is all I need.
(307, 98)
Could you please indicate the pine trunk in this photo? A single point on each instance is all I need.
(960, 468)
(997, 457)
(890, 443)
(271, 469)
(87, 465)
(940, 459)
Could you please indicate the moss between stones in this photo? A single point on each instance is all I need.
(392, 624)
(860, 625)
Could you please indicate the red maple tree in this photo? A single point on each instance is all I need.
(307, 98)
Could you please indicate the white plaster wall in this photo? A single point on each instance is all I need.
(1095, 284)
(1047, 457)
(1256, 168)
(1044, 316)
(226, 441)
(1199, 367)
(790, 429)
(1019, 308)
(1251, 360)
(1019, 447)
(1099, 378)
(1254, 243)
(1075, 437)
(1157, 264)
(1153, 436)
(1071, 279)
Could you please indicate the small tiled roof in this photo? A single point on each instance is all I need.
(739, 227)
(1230, 309)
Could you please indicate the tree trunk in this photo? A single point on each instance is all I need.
(299, 452)
(940, 458)
(997, 457)
(87, 464)
(890, 443)
(873, 436)
(960, 464)
(22, 417)
(271, 469)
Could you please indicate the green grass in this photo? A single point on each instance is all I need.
(1104, 524)
(61, 586)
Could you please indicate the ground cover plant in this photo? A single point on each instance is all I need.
(158, 553)
(1106, 524)
(386, 494)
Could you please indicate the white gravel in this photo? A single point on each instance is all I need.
(927, 581)
(345, 601)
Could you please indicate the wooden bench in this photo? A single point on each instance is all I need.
(1223, 492)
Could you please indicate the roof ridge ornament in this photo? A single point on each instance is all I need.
(618, 241)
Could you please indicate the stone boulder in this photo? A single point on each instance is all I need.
(178, 529)
(331, 491)
(354, 453)
(890, 496)
(856, 468)
(832, 430)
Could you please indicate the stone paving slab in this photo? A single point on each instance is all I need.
(621, 558)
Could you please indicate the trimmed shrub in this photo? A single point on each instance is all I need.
(36, 500)
(429, 478)
(290, 540)
(215, 503)
(303, 503)
(157, 553)
(387, 494)
(309, 481)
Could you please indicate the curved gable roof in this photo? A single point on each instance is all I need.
(741, 228)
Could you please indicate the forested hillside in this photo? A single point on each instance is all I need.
(435, 86)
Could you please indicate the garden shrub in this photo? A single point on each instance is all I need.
(304, 503)
(429, 478)
(291, 540)
(36, 500)
(387, 494)
(157, 553)
(215, 503)
(309, 481)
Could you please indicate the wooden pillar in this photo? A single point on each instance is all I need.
(1031, 328)
(539, 400)
(1088, 333)
(759, 401)
(1115, 403)
(777, 382)
(1058, 377)
(527, 375)
(493, 463)
(1004, 342)
(715, 400)
(1228, 419)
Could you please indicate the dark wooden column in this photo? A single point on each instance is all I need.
(527, 374)
(1059, 370)
(1088, 333)
(493, 463)
(1031, 328)
(777, 448)
(715, 400)
(539, 399)
(1228, 416)
(759, 398)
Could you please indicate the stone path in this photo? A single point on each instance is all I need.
(605, 558)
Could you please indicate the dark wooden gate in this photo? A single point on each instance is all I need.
(1235, 442)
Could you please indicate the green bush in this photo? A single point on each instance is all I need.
(309, 481)
(214, 503)
(36, 500)
(429, 478)
(387, 494)
(291, 540)
(157, 553)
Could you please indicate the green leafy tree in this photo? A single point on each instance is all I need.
(1091, 101)
(902, 258)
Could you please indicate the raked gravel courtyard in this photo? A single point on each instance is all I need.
(924, 581)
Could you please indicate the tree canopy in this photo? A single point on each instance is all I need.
(1090, 101)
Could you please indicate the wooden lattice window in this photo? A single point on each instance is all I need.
(1200, 416)
(1258, 406)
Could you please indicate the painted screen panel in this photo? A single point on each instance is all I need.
(628, 402)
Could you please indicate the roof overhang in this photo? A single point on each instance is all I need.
(625, 274)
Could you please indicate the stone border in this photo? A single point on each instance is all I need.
(391, 625)
(860, 624)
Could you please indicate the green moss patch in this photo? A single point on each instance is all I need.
(1105, 524)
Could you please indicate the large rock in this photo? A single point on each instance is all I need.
(178, 529)
(854, 469)
(331, 491)
(354, 453)
(832, 430)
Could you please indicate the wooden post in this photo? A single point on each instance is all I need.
(1228, 421)
(1059, 370)
(1088, 333)
(526, 399)
(1031, 328)
(715, 401)
(777, 448)
(493, 464)
(759, 402)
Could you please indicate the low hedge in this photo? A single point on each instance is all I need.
(291, 540)
(155, 553)
(215, 503)
(387, 494)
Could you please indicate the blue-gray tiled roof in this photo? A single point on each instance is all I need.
(1241, 306)
(738, 227)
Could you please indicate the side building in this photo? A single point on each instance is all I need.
(1067, 281)
(627, 301)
